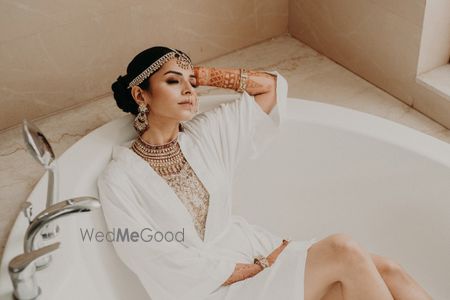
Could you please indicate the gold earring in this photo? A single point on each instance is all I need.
(141, 121)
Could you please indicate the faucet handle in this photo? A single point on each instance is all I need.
(27, 209)
(50, 231)
(22, 269)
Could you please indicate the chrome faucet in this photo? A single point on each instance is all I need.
(55, 211)
(22, 271)
(23, 267)
(39, 147)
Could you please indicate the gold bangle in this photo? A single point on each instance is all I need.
(243, 80)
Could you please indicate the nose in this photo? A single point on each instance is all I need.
(187, 88)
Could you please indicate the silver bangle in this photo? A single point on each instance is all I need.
(261, 261)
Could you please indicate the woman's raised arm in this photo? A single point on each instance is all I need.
(260, 84)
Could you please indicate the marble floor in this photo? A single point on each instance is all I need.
(310, 75)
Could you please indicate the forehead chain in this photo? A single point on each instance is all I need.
(182, 61)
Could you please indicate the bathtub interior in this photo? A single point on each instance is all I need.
(392, 201)
(330, 170)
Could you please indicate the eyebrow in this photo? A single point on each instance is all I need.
(178, 73)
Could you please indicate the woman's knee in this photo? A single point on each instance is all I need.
(345, 248)
(338, 249)
(332, 260)
(388, 267)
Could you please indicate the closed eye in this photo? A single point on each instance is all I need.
(174, 81)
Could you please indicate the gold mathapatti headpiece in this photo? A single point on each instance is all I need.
(182, 60)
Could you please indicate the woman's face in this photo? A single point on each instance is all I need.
(170, 86)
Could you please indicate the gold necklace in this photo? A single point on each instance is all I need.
(166, 159)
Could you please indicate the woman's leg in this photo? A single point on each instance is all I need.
(401, 285)
(334, 293)
(338, 259)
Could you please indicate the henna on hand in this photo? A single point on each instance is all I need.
(252, 84)
(230, 79)
(272, 257)
(243, 271)
(223, 78)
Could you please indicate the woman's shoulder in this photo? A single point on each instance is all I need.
(110, 174)
(114, 169)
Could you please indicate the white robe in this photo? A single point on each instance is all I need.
(134, 196)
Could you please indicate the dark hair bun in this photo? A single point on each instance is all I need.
(138, 64)
(123, 96)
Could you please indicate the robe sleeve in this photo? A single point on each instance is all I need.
(240, 128)
(167, 270)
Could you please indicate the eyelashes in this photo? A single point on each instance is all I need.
(173, 81)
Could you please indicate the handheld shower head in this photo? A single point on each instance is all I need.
(39, 147)
(37, 144)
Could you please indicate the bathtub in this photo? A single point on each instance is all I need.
(330, 170)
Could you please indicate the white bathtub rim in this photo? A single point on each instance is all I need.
(325, 114)
(306, 111)
(373, 126)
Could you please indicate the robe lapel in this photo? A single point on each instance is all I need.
(164, 193)
(192, 155)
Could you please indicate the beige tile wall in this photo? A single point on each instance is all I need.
(435, 44)
(58, 54)
(377, 39)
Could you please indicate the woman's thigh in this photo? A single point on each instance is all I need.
(334, 259)
(322, 266)
(334, 293)
(384, 265)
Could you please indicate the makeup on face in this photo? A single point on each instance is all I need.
(170, 80)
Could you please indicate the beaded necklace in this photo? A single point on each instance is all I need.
(166, 159)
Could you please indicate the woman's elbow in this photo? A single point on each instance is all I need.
(271, 85)
(268, 99)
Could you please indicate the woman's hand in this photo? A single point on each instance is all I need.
(258, 82)
(272, 257)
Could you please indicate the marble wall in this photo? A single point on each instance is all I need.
(58, 54)
(379, 40)
(435, 44)
(58, 60)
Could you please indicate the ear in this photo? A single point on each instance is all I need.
(139, 95)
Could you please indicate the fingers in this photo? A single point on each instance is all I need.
(286, 241)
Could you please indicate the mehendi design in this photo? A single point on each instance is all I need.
(201, 75)
(252, 83)
(223, 78)
(230, 78)
(261, 74)
(243, 271)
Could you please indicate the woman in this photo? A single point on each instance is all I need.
(174, 179)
